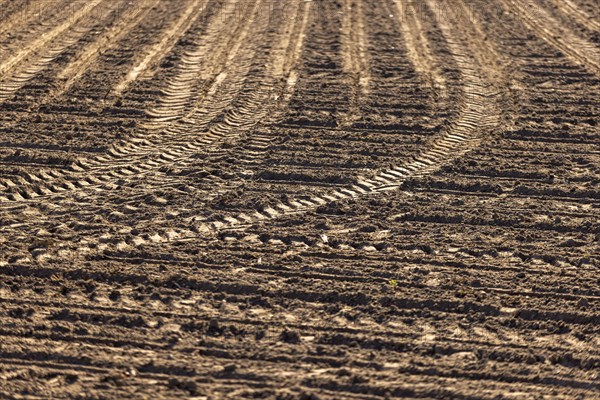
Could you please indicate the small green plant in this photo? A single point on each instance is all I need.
(393, 283)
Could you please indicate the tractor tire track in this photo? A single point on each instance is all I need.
(131, 158)
(250, 110)
(295, 237)
(183, 112)
(269, 97)
(480, 112)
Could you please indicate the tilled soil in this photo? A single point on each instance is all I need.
(340, 199)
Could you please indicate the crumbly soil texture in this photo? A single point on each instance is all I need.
(299, 199)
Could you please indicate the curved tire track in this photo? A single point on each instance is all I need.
(249, 112)
(161, 145)
(180, 130)
(480, 112)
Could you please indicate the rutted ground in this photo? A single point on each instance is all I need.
(300, 199)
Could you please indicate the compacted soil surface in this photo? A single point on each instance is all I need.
(299, 199)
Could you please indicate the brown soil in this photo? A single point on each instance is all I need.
(326, 199)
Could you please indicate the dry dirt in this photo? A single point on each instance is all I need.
(295, 199)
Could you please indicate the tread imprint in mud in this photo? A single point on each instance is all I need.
(300, 199)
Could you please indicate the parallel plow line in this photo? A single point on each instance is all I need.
(429, 368)
(137, 337)
(417, 43)
(24, 16)
(43, 56)
(354, 54)
(157, 52)
(556, 34)
(580, 16)
(83, 62)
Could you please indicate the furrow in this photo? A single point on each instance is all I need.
(552, 31)
(158, 51)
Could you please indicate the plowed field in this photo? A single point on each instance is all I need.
(299, 199)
